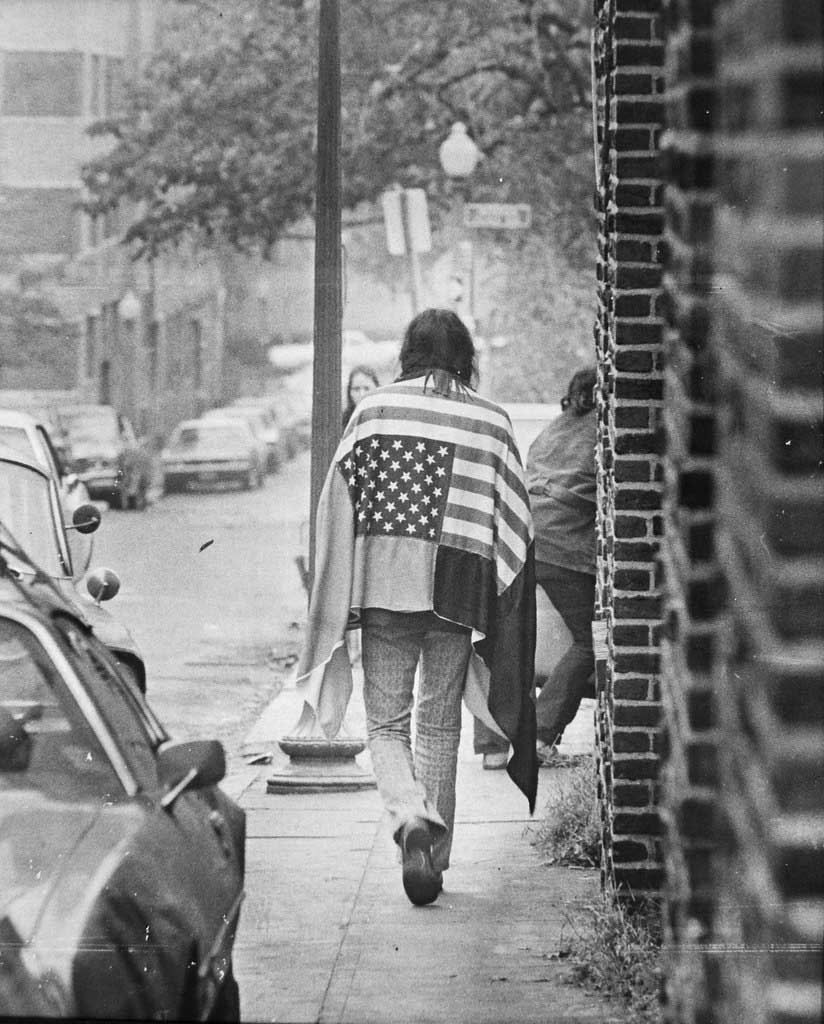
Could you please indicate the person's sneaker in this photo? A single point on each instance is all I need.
(550, 757)
(494, 760)
(421, 882)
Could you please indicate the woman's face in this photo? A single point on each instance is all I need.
(360, 386)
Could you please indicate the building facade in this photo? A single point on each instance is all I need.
(711, 524)
(147, 337)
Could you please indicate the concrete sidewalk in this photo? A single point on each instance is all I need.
(327, 933)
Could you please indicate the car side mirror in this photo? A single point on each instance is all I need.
(189, 765)
(85, 519)
(103, 584)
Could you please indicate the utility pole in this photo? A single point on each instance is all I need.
(326, 379)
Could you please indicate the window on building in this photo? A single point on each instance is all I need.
(196, 336)
(42, 85)
(113, 94)
(96, 86)
(92, 324)
(152, 346)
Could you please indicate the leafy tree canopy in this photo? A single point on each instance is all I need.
(219, 135)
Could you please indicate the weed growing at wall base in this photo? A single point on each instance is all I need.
(569, 833)
(615, 949)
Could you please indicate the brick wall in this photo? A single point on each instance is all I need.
(743, 555)
(629, 57)
(767, 336)
(693, 585)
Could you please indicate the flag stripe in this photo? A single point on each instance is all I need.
(467, 435)
(464, 470)
(465, 506)
(406, 400)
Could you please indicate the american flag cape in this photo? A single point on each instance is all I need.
(425, 508)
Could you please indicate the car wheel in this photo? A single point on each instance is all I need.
(120, 497)
(227, 1004)
(139, 499)
(169, 486)
(249, 480)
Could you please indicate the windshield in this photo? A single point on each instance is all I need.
(191, 437)
(88, 426)
(17, 439)
(26, 510)
(47, 744)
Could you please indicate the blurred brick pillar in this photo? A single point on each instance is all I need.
(766, 334)
(693, 583)
(743, 558)
(629, 56)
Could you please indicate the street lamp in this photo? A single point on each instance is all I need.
(129, 308)
(458, 154)
(459, 157)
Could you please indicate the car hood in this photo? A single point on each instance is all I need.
(105, 626)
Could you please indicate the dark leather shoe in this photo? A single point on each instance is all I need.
(421, 881)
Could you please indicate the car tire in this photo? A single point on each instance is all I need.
(120, 497)
(169, 486)
(139, 499)
(249, 480)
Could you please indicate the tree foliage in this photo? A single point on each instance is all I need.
(219, 135)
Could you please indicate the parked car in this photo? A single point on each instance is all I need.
(30, 436)
(32, 518)
(256, 421)
(263, 413)
(106, 454)
(122, 859)
(209, 451)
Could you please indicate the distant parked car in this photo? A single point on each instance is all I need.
(263, 413)
(106, 455)
(122, 859)
(209, 451)
(30, 436)
(268, 441)
(31, 514)
(295, 417)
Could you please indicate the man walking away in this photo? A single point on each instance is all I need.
(424, 534)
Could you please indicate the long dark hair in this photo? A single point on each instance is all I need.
(580, 396)
(437, 343)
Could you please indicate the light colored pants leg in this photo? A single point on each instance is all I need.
(393, 645)
(438, 727)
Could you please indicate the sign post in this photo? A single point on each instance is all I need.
(406, 217)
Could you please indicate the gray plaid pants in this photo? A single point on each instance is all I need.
(423, 786)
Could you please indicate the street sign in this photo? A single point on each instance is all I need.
(406, 217)
(497, 215)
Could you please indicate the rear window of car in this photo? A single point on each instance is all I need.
(190, 437)
(26, 510)
(89, 425)
(46, 743)
(17, 439)
(135, 734)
